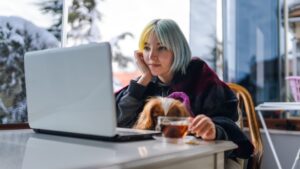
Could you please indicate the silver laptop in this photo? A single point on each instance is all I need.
(70, 92)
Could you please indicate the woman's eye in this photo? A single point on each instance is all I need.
(162, 48)
(146, 48)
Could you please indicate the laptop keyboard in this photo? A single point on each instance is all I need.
(128, 133)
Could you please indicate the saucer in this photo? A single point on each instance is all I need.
(187, 140)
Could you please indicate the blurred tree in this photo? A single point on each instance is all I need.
(118, 55)
(17, 36)
(53, 7)
(83, 17)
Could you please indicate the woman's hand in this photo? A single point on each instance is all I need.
(146, 73)
(202, 126)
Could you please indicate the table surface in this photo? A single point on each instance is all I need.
(24, 149)
(278, 106)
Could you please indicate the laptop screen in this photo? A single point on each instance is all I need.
(70, 89)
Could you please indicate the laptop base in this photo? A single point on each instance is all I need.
(116, 138)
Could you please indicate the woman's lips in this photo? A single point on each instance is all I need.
(154, 65)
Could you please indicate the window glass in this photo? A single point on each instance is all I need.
(25, 25)
(29, 25)
(120, 22)
(251, 48)
(203, 40)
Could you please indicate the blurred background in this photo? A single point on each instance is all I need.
(252, 43)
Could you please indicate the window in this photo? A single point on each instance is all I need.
(35, 25)
(25, 25)
(120, 22)
(251, 51)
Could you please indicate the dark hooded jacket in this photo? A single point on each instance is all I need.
(207, 93)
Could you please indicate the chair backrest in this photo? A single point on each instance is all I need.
(246, 104)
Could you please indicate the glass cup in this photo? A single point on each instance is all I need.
(173, 129)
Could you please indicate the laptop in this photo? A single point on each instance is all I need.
(70, 92)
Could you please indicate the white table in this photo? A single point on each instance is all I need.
(24, 149)
(273, 106)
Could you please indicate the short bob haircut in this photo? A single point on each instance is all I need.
(169, 35)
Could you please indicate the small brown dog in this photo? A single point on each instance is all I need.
(163, 106)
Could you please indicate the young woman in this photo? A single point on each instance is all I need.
(164, 59)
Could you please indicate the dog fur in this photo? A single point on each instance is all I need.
(160, 106)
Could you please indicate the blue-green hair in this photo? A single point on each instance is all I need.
(169, 35)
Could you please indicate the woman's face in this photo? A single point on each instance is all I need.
(158, 58)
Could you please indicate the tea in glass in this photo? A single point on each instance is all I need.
(173, 129)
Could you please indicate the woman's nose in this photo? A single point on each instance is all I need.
(153, 55)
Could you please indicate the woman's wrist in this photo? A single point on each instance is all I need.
(144, 80)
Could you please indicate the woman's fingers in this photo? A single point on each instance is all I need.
(210, 134)
(203, 126)
(142, 66)
(140, 62)
(138, 55)
(197, 123)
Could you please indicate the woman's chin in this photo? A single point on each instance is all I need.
(155, 73)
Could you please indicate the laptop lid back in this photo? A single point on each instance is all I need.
(70, 90)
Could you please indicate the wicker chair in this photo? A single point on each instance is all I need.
(246, 105)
